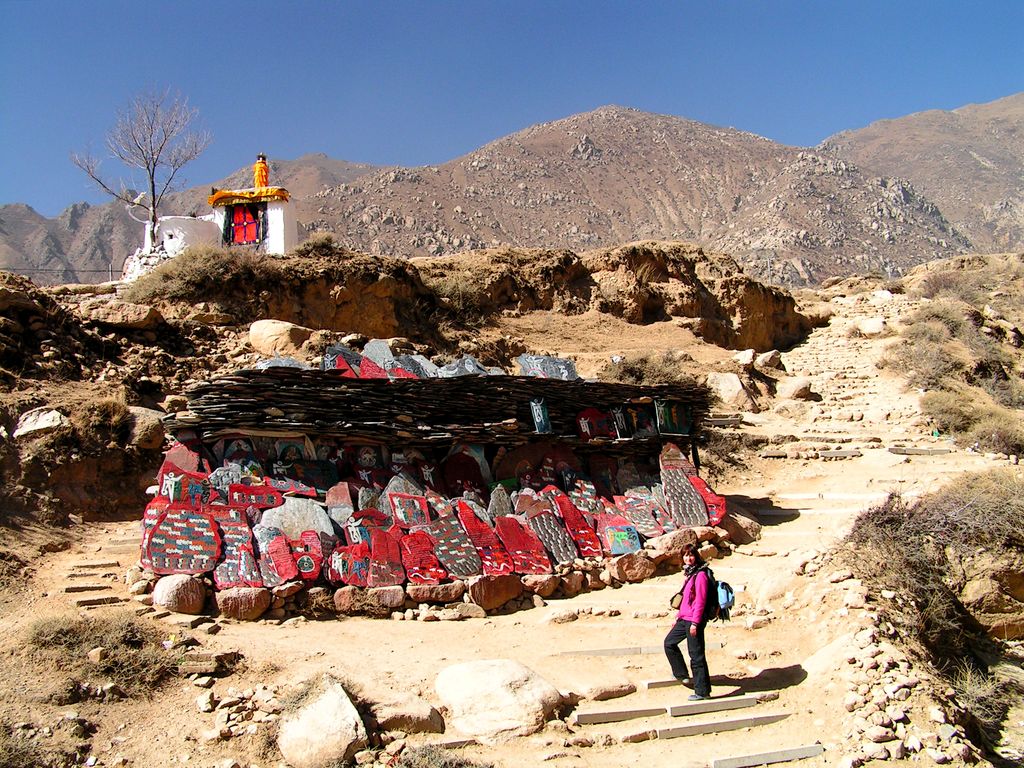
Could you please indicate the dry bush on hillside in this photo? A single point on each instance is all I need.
(461, 297)
(436, 757)
(201, 272)
(957, 285)
(985, 697)
(645, 370)
(905, 548)
(20, 752)
(135, 659)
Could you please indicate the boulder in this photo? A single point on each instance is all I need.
(122, 314)
(277, 337)
(670, 543)
(708, 552)
(872, 327)
(39, 421)
(772, 359)
(572, 583)
(633, 567)
(297, 515)
(324, 731)
(540, 584)
(490, 592)
(242, 603)
(496, 699)
(349, 601)
(386, 597)
(402, 711)
(794, 388)
(436, 593)
(180, 593)
(741, 529)
(730, 391)
(147, 430)
(745, 358)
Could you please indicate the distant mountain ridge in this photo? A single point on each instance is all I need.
(613, 175)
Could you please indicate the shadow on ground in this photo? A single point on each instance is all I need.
(772, 679)
(760, 508)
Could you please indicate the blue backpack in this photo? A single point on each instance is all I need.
(721, 598)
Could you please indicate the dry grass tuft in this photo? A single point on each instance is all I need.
(436, 757)
(461, 298)
(203, 273)
(645, 370)
(136, 661)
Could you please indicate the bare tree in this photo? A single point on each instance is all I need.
(152, 135)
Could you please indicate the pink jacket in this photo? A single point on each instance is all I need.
(695, 595)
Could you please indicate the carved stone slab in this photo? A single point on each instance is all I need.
(641, 513)
(523, 546)
(493, 557)
(555, 538)
(618, 535)
(237, 566)
(454, 548)
(418, 558)
(682, 501)
(385, 560)
(182, 540)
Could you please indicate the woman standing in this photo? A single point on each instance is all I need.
(690, 624)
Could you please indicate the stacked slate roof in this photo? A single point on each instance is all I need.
(423, 412)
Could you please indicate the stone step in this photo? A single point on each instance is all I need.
(88, 602)
(712, 726)
(768, 758)
(86, 587)
(104, 564)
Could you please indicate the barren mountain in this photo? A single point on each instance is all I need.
(615, 175)
(970, 161)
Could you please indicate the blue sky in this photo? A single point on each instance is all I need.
(415, 83)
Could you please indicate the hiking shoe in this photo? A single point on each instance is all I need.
(698, 697)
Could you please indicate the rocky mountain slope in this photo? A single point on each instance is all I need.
(969, 161)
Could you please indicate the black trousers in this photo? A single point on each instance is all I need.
(695, 647)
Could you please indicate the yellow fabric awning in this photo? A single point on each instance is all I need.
(258, 195)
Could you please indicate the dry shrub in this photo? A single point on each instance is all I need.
(102, 423)
(1000, 431)
(645, 370)
(957, 285)
(982, 695)
(436, 757)
(461, 297)
(136, 661)
(201, 273)
(905, 548)
(319, 244)
(19, 752)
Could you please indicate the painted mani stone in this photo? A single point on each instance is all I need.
(385, 560)
(494, 558)
(237, 566)
(274, 556)
(682, 501)
(714, 502)
(500, 505)
(418, 558)
(408, 510)
(523, 546)
(556, 541)
(182, 540)
(259, 496)
(585, 538)
(308, 553)
(350, 564)
(339, 507)
(641, 512)
(618, 535)
(177, 485)
(453, 547)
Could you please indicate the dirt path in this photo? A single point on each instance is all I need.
(785, 639)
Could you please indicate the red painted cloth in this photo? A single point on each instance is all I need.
(695, 595)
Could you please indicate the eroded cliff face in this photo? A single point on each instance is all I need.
(640, 282)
